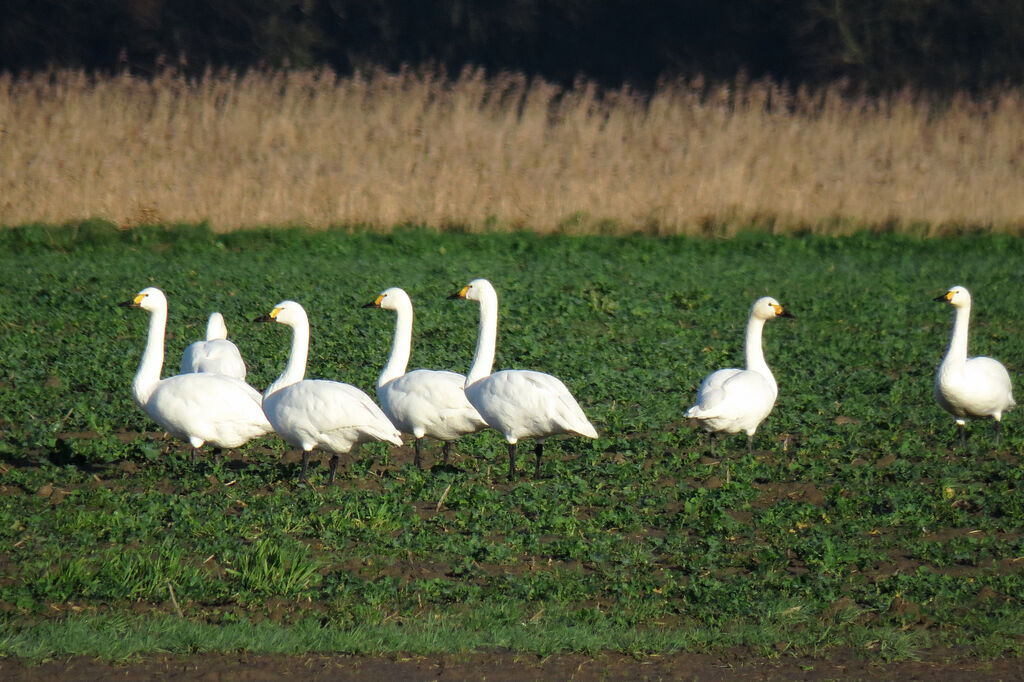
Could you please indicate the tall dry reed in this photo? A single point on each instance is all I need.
(382, 149)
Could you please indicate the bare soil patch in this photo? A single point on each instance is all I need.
(507, 667)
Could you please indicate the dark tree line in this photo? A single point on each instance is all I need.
(940, 45)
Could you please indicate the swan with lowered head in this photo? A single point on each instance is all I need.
(970, 387)
(198, 408)
(422, 402)
(519, 403)
(734, 400)
(314, 413)
(215, 354)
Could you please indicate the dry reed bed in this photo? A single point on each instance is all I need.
(382, 149)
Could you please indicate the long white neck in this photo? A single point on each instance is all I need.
(401, 347)
(957, 351)
(147, 376)
(215, 327)
(295, 370)
(483, 358)
(754, 350)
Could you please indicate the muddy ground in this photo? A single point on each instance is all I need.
(506, 667)
(503, 666)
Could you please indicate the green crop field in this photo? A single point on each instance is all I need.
(857, 521)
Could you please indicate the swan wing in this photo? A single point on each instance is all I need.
(524, 403)
(431, 403)
(190, 358)
(711, 391)
(981, 388)
(212, 408)
(993, 376)
(218, 356)
(331, 414)
(735, 401)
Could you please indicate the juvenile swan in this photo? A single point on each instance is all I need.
(519, 403)
(734, 400)
(198, 408)
(970, 387)
(311, 413)
(215, 354)
(422, 402)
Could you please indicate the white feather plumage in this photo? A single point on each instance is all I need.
(215, 354)
(314, 413)
(199, 408)
(734, 400)
(970, 387)
(519, 403)
(421, 403)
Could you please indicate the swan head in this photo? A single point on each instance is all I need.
(215, 327)
(285, 312)
(149, 299)
(957, 296)
(766, 308)
(390, 299)
(477, 290)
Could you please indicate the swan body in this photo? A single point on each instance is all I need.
(422, 403)
(199, 408)
(313, 413)
(518, 403)
(970, 387)
(735, 400)
(215, 354)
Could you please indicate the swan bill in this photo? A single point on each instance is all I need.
(132, 303)
(461, 293)
(269, 317)
(783, 312)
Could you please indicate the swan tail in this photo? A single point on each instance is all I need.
(587, 429)
(393, 437)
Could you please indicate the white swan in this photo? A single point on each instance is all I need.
(198, 408)
(970, 387)
(311, 413)
(734, 400)
(517, 402)
(215, 354)
(422, 402)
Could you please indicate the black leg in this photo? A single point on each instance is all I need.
(218, 455)
(963, 435)
(334, 469)
(538, 450)
(750, 445)
(711, 443)
(194, 451)
(511, 461)
(999, 431)
(417, 449)
(446, 450)
(305, 466)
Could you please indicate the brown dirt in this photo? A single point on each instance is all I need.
(506, 667)
(500, 666)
